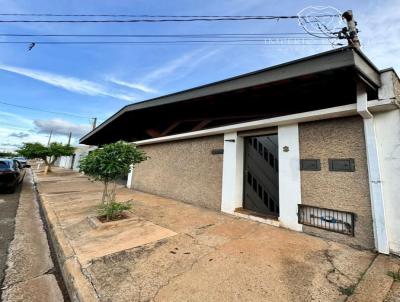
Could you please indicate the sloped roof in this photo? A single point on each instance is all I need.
(326, 62)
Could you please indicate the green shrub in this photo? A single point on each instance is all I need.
(113, 210)
(110, 162)
(394, 275)
(348, 291)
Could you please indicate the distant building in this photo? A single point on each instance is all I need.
(311, 145)
(72, 162)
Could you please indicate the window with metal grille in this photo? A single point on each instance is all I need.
(271, 160)
(266, 154)
(327, 219)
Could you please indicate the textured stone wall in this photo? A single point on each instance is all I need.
(347, 191)
(184, 170)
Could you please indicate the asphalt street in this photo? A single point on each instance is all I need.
(8, 210)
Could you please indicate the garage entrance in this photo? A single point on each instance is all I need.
(261, 181)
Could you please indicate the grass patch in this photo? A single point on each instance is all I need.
(394, 275)
(113, 210)
(348, 290)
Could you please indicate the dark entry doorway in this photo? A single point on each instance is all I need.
(261, 181)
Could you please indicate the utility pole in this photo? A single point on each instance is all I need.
(350, 32)
(94, 122)
(69, 138)
(51, 132)
(46, 169)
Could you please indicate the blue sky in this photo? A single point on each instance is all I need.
(97, 80)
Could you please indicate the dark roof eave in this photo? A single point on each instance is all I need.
(330, 60)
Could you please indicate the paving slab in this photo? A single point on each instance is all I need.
(376, 283)
(119, 236)
(41, 289)
(394, 293)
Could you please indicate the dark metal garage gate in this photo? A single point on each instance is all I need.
(261, 183)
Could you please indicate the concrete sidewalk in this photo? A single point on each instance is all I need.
(29, 275)
(171, 251)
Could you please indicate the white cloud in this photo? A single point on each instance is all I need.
(19, 134)
(169, 72)
(68, 83)
(8, 116)
(186, 67)
(137, 86)
(379, 34)
(178, 67)
(60, 126)
(165, 70)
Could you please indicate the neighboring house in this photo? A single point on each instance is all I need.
(311, 145)
(72, 162)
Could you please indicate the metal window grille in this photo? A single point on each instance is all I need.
(327, 219)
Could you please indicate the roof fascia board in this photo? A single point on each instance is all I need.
(274, 74)
(368, 73)
(334, 112)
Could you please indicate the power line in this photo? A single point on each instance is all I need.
(218, 35)
(159, 16)
(154, 19)
(238, 43)
(47, 111)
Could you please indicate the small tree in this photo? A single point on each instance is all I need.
(7, 154)
(109, 163)
(48, 154)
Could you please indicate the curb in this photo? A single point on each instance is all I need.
(78, 286)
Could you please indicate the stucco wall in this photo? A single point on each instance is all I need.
(347, 191)
(184, 170)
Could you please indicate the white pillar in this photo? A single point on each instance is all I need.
(129, 182)
(387, 130)
(387, 89)
(289, 176)
(374, 175)
(232, 174)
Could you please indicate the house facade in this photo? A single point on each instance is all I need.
(311, 145)
(72, 162)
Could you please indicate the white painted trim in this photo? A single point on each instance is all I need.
(387, 131)
(383, 105)
(334, 112)
(289, 176)
(374, 175)
(387, 89)
(272, 222)
(232, 173)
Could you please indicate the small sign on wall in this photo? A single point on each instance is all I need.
(342, 165)
(217, 151)
(310, 165)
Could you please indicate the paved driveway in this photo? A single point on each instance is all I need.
(171, 251)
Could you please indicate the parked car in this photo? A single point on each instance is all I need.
(22, 160)
(11, 174)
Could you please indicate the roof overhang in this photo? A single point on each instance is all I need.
(334, 60)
